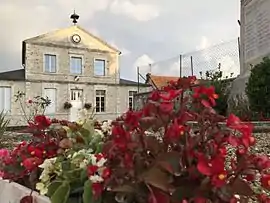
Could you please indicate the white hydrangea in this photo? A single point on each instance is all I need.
(106, 126)
(42, 188)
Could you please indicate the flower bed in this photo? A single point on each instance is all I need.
(151, 155)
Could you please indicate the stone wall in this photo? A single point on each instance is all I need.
(117, 98)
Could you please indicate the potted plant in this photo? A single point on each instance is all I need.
(87, 106)
(150, 155)
(67, 105)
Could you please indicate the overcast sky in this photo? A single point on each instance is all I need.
(146, 31)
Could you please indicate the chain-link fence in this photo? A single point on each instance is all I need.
(198, 62)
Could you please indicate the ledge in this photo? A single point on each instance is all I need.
(11, 192)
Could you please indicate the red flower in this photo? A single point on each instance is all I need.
(99, 156)
(29, 101)
(120, 137)
(214, 168)
(170, 94)
(106, 173)
(35, 151)
(41, 122)
(265, 180)
(174, 131)
(97, 189)
(91, 170)
(31, 163)
(208, 92)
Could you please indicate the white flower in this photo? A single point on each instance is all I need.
(44, 176)
(106, 126)
(96, 179)
(48, 163)
(42, 188)
(99, 132)
(101, 162)
(84, 163)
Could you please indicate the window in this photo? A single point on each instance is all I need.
(5, 99)
(100, 100)
(50, 63)
(76, 65)
(76, 95)
(130, 99)
(99, 67)
(51, 94)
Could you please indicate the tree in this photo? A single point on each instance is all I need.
(220, 83)
(258, 88)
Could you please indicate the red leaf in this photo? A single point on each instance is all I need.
(205, 103)
(203, 166)
(157, 196)
(241, 187)
(157, 178)
(166, 107)
(170, 161)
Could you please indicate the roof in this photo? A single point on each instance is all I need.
(80, 28)
(159, 81)
(130, 82)
(18, 75)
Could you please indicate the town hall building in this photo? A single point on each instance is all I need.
(73, 66)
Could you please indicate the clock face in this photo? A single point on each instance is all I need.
(76, 38)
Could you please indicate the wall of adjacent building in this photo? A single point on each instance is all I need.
(117, 98)
(15, 115)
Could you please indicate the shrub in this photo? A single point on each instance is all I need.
(221, 84)
(3, 127)
(258, 88)
(67, 105)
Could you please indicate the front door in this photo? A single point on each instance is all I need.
(76, 99)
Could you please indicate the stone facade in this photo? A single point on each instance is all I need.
(59, 43)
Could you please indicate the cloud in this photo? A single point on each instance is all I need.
(203, 47)
(228, 66)
(143, 63)
(123, 50)
(136, 26)
(140, 12)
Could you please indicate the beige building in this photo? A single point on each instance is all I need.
(69, 65)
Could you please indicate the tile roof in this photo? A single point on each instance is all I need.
(159, 81)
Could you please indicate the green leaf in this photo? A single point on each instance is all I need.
(83, 175)
(66, 165)
(61, 195)
(87, 194)
(53, 187)
(99, 147)
(68, 130)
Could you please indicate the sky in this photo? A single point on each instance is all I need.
(146, 31)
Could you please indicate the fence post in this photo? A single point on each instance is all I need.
(138, 78)
(191, 65)
(180, 65)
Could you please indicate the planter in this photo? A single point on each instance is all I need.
(11, 192)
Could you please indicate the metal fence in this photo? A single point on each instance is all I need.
(198, 62)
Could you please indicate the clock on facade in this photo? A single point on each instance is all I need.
(76, 38)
